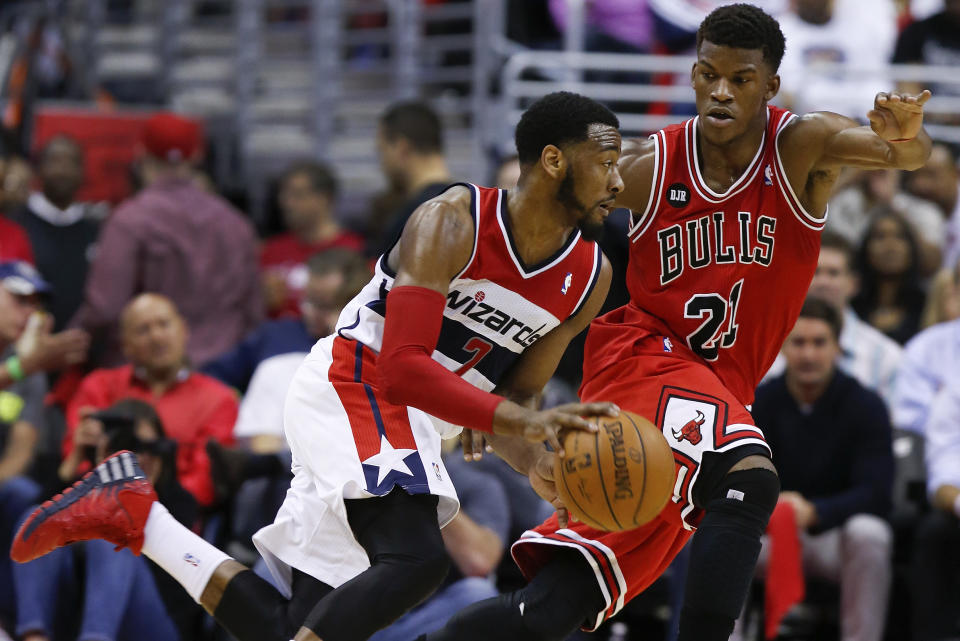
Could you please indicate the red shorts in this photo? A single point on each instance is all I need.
(671, 387)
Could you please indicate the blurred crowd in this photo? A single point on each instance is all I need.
(167, 326)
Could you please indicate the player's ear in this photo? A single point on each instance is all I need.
(773, 87)
(553, 161)
(693, 72)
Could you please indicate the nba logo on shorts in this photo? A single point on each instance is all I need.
(768, 175)
(436, 470)
(566, 283)
(667, 344)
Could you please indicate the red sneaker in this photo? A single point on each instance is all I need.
(111, 502)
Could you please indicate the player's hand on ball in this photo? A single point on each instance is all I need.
(897, 116)
(473, 445)
(547, 425)
(542, 482)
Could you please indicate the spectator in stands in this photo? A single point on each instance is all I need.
(826, 32)
(840, 496)
(890, 296)
(121, 601)
(410, 145)
(507, 173)
(943, 298)
(62, 231)
(14, 242)
(308, 191)
(475, 540)
(193, 406)
(15, 179)
(939, 182)
(333, 278)
(21, 321)
(850, 213)
(929, 363)
(936, 554)
(27, 349)
(175, 239)
(865, 353)
(934, 40)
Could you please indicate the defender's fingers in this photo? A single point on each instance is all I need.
(477, 438)
(553, 439)
(924, 97)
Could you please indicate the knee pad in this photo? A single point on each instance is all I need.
(724, 552)
(751, 494)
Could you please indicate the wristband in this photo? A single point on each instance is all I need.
(902, 140)
(15, 368)
(956, 506)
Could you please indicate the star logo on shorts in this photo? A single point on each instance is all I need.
(389, 459)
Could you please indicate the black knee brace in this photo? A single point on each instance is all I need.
(724, 553)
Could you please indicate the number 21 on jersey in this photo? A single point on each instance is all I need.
(719, 327)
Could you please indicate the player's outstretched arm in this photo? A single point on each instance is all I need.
(815, 147)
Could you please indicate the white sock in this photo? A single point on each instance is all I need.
(181, 553)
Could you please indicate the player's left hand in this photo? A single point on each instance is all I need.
(473, 444)
(541, 480)
(897, 116)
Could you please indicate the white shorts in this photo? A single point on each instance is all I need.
(347, 442)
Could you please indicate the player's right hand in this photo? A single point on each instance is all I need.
(547, 425)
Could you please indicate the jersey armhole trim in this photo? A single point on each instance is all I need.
(597, 266)
(636, 230)
(475, 214)
(808, 220)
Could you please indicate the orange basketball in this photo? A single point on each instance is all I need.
(620, 477)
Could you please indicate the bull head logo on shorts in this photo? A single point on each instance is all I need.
(690, 430)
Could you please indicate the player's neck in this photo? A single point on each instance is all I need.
(722, 165)
(426, 170)
(532, 216)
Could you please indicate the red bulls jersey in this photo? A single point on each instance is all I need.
(724, 274)
(497, 306)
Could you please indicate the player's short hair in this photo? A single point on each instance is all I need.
(744, 26)
(832, 240)
(321, 176)
(558, 118)
(819, 309)
(415, 122)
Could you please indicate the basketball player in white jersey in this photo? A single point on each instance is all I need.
(462, 325)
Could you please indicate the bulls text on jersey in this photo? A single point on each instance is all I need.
(703, 243)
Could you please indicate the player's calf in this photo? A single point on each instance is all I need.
(725, 549)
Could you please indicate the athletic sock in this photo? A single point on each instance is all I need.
(181, 553)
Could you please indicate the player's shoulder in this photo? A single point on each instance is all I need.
(454, 204)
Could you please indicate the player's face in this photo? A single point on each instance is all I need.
(592, 180)
(732, 88)
(833, 281)
(810, 351)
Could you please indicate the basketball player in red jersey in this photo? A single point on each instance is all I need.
(727, 213)
(482, 294)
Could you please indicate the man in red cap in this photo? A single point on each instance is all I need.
(175, 239)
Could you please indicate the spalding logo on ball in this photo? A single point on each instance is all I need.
(620, 477)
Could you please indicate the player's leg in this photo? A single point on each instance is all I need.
(559, 599)
(115, 503)
(408, 562)
(724, 551)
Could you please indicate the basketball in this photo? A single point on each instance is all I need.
(620, 477)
